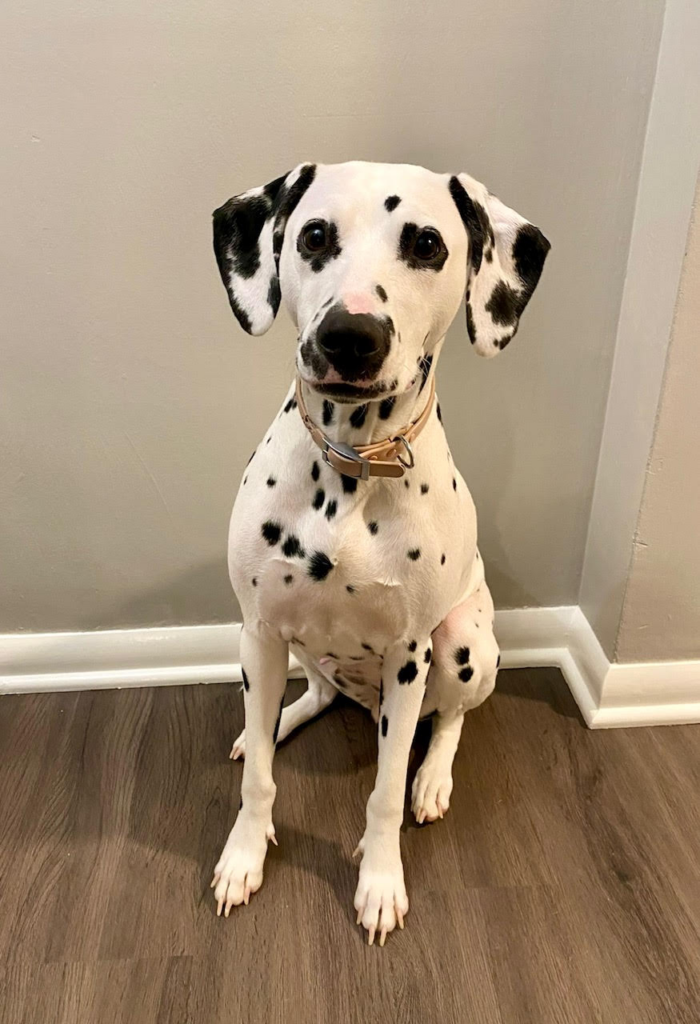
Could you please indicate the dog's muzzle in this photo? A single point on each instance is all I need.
(355, 344)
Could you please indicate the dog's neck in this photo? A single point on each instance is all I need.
(368, 422)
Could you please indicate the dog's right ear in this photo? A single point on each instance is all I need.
(248, 238)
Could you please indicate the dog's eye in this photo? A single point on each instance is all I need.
(314, 236)
(427, 245)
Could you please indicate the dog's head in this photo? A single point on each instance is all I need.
(373, 261)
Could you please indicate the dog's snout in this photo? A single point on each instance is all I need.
(355, 344)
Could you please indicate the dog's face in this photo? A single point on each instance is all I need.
(372, 261)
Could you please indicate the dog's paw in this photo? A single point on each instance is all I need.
(239, 872)
(381, 901)
(238, 748)
(430, 795)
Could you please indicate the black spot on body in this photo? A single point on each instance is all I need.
(292, 547)
(373, 527)
(291, 404)
(271, 532)
(414, 554)
(465, 674)
(246, 684)
(424, 488)
(288, 578)
(454, 483)
(439, 412)
(319, 498)
(391, 202)
(427, 655)
(408, 672)
(254, 581)
(315, 471)
(331, 509)
(385, 724)
(350, 589)
(386, 407)
(349, 484)
(271, 481)
(462, 655)
(367, 647)
(381, 293)
(328, 411)
(319, 566)
(412, 646)
(358, 416)
(442, 560)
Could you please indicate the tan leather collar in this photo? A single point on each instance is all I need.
(391, 457)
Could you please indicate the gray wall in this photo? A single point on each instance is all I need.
(130, 400)
(661, 611)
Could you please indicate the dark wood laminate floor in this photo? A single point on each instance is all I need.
(563, 886)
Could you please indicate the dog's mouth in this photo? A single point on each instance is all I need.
(343, 392)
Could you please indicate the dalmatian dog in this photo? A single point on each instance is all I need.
(375, 582)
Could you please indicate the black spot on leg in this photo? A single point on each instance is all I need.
(414, 554)
(319, 498)
(386, 407)
(358, 416)
(271, 481)
(454, 483)
(385, 724)
(331, 509)
(408, 672)
(272, 532)
(439, 412)
(424, 488)
(407, 483)
(288, 578)
(315, 471)
(254, 581)
(246, 683)
(391, 202)
(427, 657)
(349, 484)
(442, 560)
(319, 566)
(373, 527)
(465, 674)
(412, 646)
(462, 655)
(381, 293)
(328, 412)
(292, 547)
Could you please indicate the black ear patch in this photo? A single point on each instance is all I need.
(247, 256)
(507, 255)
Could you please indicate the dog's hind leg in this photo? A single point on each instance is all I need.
(313, 701)
(462, 675)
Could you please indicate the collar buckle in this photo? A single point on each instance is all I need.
(345, 451)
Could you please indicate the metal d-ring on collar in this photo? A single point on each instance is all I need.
(402, 440)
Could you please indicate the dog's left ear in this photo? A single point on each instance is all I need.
(248, 238)
(506, 256)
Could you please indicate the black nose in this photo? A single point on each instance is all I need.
(355, 344)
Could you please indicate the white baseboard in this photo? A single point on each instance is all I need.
(608, 695)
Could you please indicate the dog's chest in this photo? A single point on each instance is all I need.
(345, 568)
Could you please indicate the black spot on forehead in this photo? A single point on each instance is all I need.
(381, 293)
(391, 202)
(328, 412)
(467, 210)
(319, 566)
(271, 531)
(358, 416)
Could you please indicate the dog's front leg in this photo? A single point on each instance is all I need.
(380, 900)
(239, 873)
